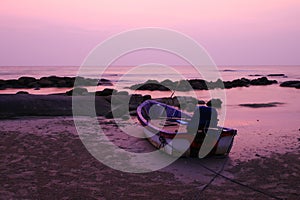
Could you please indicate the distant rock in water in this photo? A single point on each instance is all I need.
(229, 70)
(295, 84)
(260, 105)
(77, 92)
(106, 92)
(47, 82)
(243, 82)
(276, 75)
(151, 85)
(262, 81)
(256, 75)
(199, 84)
(105, 82)
(22, 92)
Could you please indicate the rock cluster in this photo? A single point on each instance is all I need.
(199, 84)
(295, 84)
(51, 81)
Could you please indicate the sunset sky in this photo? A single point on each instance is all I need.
(234, 32)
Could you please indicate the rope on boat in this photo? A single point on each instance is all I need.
(234, 181)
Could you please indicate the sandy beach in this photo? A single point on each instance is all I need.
(43, 158)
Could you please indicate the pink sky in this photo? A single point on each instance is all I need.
(234, 32)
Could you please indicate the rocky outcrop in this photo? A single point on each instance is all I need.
(105, 82)
(51, 81)
(199, 84)
(283, 75)
(243, 82)
(261, 105)
(12, 105)
(22, 92)
(294, 84)
(262, 81)
(151, 85)
(106, 92)
(77, 92)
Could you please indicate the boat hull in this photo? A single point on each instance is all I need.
(184, 147)
(176, 140)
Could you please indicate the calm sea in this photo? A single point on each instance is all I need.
(133, 75)
(124, 76)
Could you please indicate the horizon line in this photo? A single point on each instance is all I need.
(226, 65)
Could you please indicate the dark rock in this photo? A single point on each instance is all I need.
(229, 70)
(13, 83)
(261, 105)
(62, 83)
(135, 100)
(50, 105)
(187, 99)
(91, 82)
(2, 84)
(255, 75)
(295, 84)
(106, 92)
(151, 85)
(25, 81)
(77, 92)
(217, 103)
(146, 97)
(45, 82)
(262, 81)
(198, 84)
(183, 85)
(51, 81)
(81, 81)
(22, 92)
(276, 75)
(105, 82)
(243, 82)
(33, 84)
(168, 83)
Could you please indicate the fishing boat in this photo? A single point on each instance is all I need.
(182, 134)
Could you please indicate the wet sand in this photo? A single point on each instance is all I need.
(43, 158)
